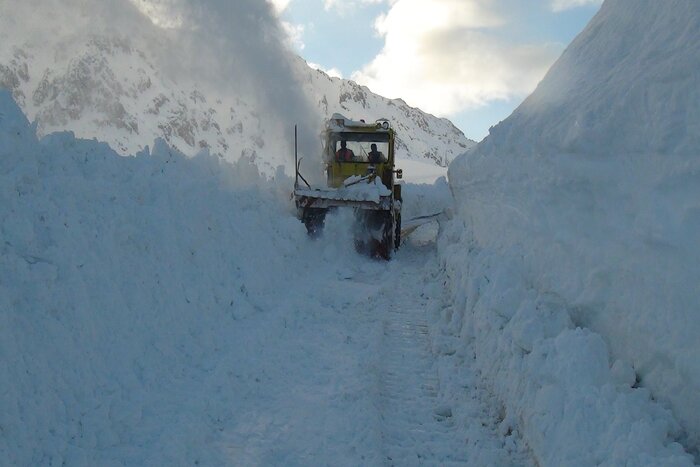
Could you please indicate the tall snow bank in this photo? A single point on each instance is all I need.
(123, 283)
(579, 265)
(627, 84)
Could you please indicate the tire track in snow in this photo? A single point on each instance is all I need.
(422, 423)
(415, 429)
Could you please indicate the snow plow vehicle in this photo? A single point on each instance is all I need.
(360, 174)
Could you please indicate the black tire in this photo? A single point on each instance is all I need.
(385, 247)
(374, 233)
(314, 219)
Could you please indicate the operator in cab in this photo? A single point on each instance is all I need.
(344, 154)
(374, 156)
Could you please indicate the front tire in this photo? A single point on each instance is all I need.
(314, 219)
(374, 233)
(385, 246)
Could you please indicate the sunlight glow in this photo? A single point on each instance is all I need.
(161, 13)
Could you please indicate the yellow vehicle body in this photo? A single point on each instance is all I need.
(355, 152)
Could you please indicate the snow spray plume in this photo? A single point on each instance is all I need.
(242, 45)
(51, 22)
(226, 48)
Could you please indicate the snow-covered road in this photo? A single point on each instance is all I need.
(432, 411)
(348, 373)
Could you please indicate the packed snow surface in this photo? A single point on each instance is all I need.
(574, 251)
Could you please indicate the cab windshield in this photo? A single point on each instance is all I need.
(359, 147)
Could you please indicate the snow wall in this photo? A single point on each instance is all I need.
(574, 255)
(123, 281)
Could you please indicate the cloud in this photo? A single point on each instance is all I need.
(294, 32)
(561, 5)
(295, 35)
(279, 5)
(59, 22)
(450, 55)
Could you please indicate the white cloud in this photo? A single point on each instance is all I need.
(294, 32)
(447, 56)
(561, 5)
(295, 35)
(279, 5)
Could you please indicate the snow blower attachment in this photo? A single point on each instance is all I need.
(359, 163)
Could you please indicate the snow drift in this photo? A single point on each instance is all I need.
(578, 267)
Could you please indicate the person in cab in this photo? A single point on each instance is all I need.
(344, 154)
(374, 156)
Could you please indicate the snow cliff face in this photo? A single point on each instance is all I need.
(626, 85)
(584, 207)
(111, 89)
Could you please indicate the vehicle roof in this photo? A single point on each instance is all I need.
(339, 123)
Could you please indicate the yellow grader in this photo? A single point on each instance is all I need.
(360, 174)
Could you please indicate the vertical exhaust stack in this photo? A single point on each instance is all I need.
(297, 162)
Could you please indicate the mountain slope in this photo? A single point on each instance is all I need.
(107, 87)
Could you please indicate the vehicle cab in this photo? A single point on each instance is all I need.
(359, 148)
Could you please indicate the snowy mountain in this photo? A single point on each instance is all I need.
(107, 87)
(578, 226)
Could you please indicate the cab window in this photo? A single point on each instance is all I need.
(359, 147)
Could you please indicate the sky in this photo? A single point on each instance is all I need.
(472, 61)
